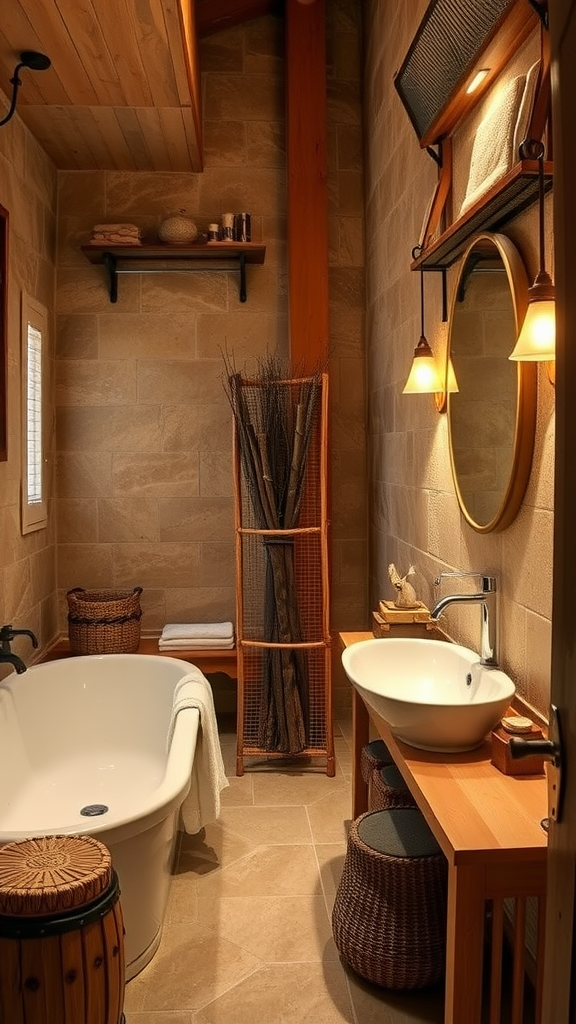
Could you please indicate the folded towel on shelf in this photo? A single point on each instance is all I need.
(129, 229)
(198, 631)
(116, 234)
(525, 109)
(492, 150)
(208, 779)
(114, 240)
(196, 645)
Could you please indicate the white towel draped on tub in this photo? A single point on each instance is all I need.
(202, 804)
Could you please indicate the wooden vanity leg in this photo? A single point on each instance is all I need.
(360, 736)
(464, 944)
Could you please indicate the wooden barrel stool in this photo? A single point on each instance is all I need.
(61, 933)
(388, 789)
(389, 916)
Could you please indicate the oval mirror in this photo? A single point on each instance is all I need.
(492, 416)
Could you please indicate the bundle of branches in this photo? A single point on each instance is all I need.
(275, 419)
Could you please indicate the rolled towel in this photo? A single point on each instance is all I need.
(196, 645)
(198, 631)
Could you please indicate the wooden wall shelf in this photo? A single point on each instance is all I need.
(514, 192)
(164, 259)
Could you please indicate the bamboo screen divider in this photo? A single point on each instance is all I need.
(282, 598)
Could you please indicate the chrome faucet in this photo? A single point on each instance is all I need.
(7, 634)
(487, 598)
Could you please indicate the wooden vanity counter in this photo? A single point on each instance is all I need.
(488, 826)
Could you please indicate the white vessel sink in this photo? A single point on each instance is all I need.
(434, 695)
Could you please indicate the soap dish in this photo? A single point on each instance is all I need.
(517, 724)
(501, 754)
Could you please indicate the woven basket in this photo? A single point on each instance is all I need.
(374, 755)
(104, 621)
(389, 914)
(388, 789)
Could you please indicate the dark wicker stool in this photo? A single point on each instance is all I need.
(389, 916)
(374, 755)
(388, 789)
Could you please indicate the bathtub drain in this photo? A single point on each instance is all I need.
(92, 810)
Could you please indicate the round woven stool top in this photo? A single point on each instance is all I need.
(52, 874)
(392, 776)
(397, 832)
(374, 755)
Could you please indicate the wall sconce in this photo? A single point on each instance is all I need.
(28, 59)
(537, 339)
(424, 377)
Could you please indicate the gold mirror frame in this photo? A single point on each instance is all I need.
(526, 385)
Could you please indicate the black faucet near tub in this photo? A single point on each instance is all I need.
(7, 656)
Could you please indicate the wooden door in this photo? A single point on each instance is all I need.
(559, 1001)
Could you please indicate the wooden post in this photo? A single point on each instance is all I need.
(307, 207)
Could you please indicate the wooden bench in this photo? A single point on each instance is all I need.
(211, 660)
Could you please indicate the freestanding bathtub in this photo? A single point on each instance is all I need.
(89, 745)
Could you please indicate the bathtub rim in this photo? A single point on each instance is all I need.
(171, 792)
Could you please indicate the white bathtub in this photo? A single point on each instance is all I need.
(93, 731)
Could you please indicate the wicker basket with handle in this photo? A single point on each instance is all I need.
(104, 621)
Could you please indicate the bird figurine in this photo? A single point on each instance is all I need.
(406, 594)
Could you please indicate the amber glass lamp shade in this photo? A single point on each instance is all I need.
(424, 377)
(537, 338)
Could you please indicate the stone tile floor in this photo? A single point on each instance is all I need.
(247, 938)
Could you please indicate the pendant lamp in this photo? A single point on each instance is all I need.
(424, 377)
(537, 339)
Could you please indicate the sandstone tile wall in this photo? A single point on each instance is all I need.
(143, 422)
(414, 515)
(144, 476)
(27, 564)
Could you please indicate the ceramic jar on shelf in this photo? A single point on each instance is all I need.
(178, 229)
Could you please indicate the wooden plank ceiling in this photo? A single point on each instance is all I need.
(123, 91)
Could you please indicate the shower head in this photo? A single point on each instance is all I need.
(34, 60)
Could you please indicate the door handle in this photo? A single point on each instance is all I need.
(525, 748)
(551, 750)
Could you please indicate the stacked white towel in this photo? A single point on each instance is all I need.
(197, 636)
(202, 804)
